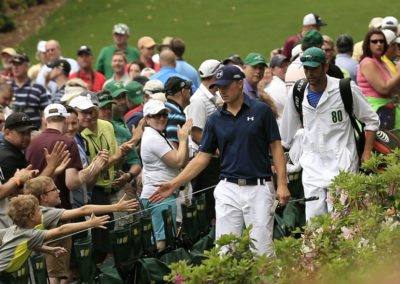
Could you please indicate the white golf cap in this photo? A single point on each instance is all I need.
(375, 23)
(158, 96)
(153, 86)
(82, 102)
(313, 20)
(209, 68)
(55, 110)
(389, 23)
(390, 36)
(41, 46)
(153, 107)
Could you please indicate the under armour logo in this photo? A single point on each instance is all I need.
(250, 118)
(219, 74)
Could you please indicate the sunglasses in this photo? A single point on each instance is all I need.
(375, 41)
(159, 115)
(87, 112)
(308, 58)
(51, 190)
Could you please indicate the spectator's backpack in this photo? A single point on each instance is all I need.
(385, 141)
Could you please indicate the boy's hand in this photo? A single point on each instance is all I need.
(124, 205)
(57, 251)
(98, 222)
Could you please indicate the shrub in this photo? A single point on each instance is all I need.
(6, 23)
(356, 243)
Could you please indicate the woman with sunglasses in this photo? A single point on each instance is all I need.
(161, 162)
(374, 77)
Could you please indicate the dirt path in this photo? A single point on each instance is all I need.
(28, 22)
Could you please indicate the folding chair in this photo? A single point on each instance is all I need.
(190, 232)
(38, 263)
(88, 271)
(122, 250)
(201, 206)
(147, 237)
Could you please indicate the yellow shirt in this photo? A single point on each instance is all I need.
(104, 138)
(389, 64)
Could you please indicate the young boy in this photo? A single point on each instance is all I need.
(44, 189)
(18, 241)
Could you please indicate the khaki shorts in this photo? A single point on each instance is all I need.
(58, 267)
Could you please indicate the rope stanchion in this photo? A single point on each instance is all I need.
(134, 213)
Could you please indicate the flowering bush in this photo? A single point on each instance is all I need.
(356, 243)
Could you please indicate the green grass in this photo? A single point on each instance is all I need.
(211, 28)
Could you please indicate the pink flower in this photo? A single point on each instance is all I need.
(178, 279)
(347, 233)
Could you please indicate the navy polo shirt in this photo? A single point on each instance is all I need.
(243, 140)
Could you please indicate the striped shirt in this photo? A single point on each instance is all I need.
(176, 117)
(57, 95)
(31, 99)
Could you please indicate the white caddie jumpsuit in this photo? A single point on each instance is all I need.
(328, 143)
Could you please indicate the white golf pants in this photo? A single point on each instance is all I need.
(239, 206)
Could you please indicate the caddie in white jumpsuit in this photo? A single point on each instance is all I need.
(329, 145)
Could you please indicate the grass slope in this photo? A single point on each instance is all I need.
(211, 28)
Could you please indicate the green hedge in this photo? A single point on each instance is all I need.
(7, 22)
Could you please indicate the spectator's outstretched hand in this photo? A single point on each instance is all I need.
(122, 179)
(26, 174)
(57, 155)
(184, 131)
(57, 251)
(63, 165)
(137, 132)
(126, 205)
(98, 222)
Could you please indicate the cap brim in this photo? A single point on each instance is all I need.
(257, 62)
(102, 104)
(221, 83)
(25, 128)
(160, 46)
(85, 107)
(118, 92)
(158, 111)
(321, 24)
(227, 60)
(312, 64)
(79, 53)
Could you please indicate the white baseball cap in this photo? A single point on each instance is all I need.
(313, 20)
(55, 110)
(209, 68)
(375, 23)
(153, 86)
(389, 23)
(153, 107)
(390, 36)
(41, 46)
(82, 102)
(158, 96)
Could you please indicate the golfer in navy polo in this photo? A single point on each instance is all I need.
(242, 131)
